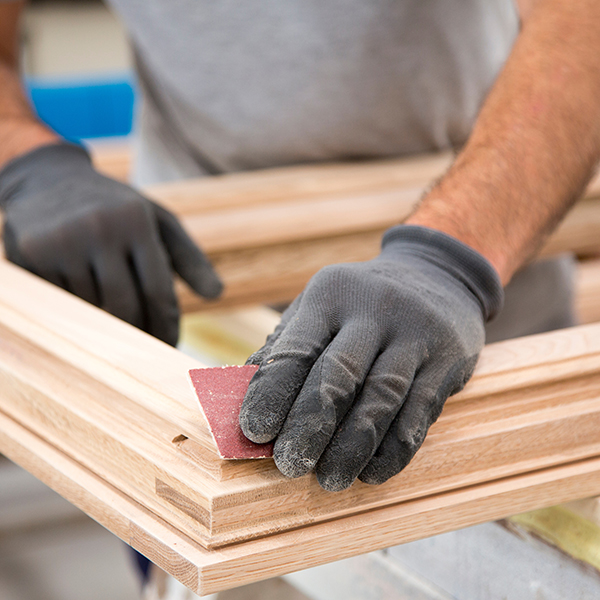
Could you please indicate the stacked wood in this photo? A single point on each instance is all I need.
(206, 571)
(268, 232)
(105, 414)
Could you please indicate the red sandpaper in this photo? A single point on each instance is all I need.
(221, 391)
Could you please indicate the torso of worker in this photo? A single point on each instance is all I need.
(231, 85)
(236, 85)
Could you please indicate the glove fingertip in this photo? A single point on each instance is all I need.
(171, 336)
(371, 477)
(333, 482)
(210, 285)
(257, 357)
(187, 258)
(383, 467)
(291, 460)
(257, 429)
(256, 421)
(377, 472)
(200, 275)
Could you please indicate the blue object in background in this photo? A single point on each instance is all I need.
(85, 108)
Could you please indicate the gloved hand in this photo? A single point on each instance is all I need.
(99, 239)
(364, 359)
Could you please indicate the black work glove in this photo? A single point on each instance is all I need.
(364, 359)
(99, 239)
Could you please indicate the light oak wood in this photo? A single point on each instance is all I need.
(287, 183)
(268, 224)
(587, 291)
(105, 414)
(304, 183)
(118, 402)
(279, 274)
(268, 232)
(207, 572)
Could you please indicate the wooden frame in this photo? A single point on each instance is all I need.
(268, 232)
(205, 572)
(84, 407)
(105, 415)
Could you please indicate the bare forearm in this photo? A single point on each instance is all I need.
(535, 143)
(20, 131)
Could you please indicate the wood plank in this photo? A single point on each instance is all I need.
(95, 497)
(300, 183)
(267, 233)
(268, 224)
(286, 183)
(542, 388)
(77, 331)
(533, 403)
(279, 273)
(206, 572)
(287, 222)
(110, 413)
(262, 225)
(233, 334)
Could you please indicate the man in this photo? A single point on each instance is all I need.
(365, 358)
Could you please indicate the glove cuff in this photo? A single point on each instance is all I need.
(467, 265)
(49, 160)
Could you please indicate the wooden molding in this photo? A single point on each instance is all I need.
(206, 572)
(105, 414)
(115, 404)
(269, 232)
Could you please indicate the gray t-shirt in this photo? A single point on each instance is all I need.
(235, 85)
(231, 85)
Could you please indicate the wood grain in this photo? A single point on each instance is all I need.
(268, 232)
(119, 403)
(206, 572)
(105, 415)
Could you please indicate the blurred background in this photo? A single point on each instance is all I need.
(77, 65)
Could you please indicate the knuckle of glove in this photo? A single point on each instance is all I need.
(332, 283)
